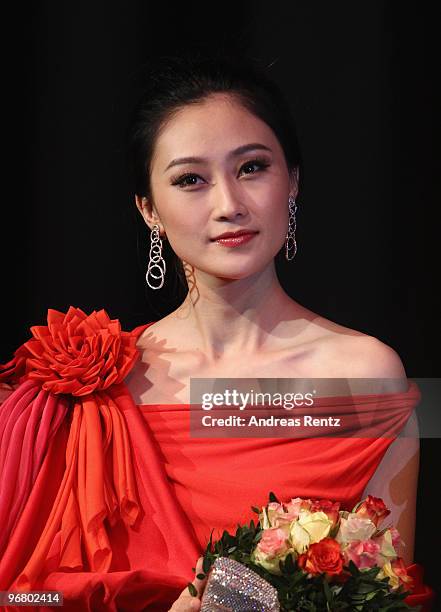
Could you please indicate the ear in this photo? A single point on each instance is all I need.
(294, 181)
(148, 212)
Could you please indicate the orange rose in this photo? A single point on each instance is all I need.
(322, 557)
(373, 508)
(75, 353)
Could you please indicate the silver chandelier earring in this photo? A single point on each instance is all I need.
(290, 242)
(155, 259)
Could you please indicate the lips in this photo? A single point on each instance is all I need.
(235, 234)
(235, 240)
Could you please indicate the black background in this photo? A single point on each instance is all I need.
(360, 79)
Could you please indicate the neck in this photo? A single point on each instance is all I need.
(227, 317)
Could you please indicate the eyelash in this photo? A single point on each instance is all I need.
(179, 181)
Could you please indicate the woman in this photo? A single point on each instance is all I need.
(214, 151)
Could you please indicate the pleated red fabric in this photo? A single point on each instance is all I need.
(112, 503)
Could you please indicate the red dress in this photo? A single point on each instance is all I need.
(112, 503)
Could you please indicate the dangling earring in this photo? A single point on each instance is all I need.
(156, 260)
(290, 242)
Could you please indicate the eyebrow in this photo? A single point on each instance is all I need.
(236, 152)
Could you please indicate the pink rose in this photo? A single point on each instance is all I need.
(396, 538)
(282, 515)
(364, 553)
(295, 505)
(272, 548)
(273, 541)
(274, 509)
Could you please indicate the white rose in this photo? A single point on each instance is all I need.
(309, 528)
(355, 528)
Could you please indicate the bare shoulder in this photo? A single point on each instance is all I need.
(367, 356)
(354, 354)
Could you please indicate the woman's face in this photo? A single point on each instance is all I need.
(238, 179)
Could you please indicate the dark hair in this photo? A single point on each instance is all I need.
(172, 82)
(175, 82)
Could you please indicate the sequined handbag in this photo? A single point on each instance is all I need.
(233, 587)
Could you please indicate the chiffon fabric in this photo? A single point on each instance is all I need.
(112, 503)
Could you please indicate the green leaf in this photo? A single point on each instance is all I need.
(257, 537)
(273, 498)
(255, 509)
(206, 564)
(289, 563)
(327, 591)
(353, 568)
(210, 542)
(192, 589)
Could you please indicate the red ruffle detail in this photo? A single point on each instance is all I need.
(75, 353)
(67, 479)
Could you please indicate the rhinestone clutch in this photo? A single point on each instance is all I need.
(233, 587)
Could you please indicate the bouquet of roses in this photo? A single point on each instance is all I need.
(313, 556)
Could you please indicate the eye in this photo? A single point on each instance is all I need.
(260, 163)
(181, 181)
(189, 179)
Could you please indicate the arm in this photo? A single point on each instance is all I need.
(395, 481)
(396, 478)
(187, 602)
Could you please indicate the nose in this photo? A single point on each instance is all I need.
(228, 202)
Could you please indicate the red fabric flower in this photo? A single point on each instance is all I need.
(75, 353)
(322, 557)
